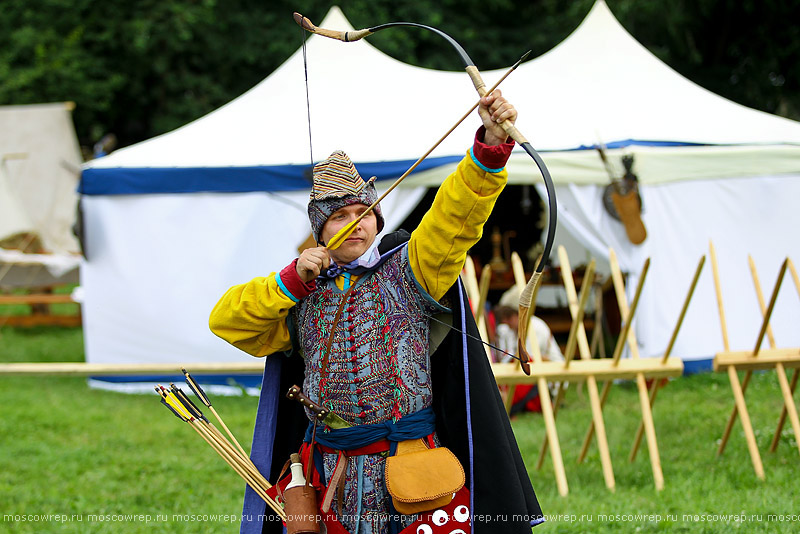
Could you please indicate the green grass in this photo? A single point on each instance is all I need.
(69, 450)
(700, 487)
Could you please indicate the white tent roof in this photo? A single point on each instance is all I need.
(618, 90)
(379, 109)
(149, 286)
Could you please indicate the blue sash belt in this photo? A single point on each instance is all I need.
(412, 426)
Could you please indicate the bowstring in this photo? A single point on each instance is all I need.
(451, 327)
(311, 153)
(308, 100)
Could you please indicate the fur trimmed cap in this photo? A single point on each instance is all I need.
(337, 184)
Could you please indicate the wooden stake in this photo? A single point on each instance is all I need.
(471, 284)
(718, 290)
(782, 419)
(577, 330)
(622, 300)
(654, 388)
(770, 308)
(641, 384)
(617, 353)
(788, 401)
(483, 293)
(725, 344)
(572, 299)
(102, 369)
(577, 311)
(548, 415)
(738, 395)
(786, 390)
(519, 283)
(760, 297)
(748, 375)
(602, 440)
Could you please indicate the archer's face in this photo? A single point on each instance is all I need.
(359, 241)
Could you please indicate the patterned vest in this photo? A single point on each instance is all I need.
(378, 366)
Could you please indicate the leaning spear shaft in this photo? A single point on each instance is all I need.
(345, 232)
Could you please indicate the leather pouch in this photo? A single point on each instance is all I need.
(421, 479)
(629, 211)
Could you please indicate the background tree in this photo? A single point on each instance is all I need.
(143, 68)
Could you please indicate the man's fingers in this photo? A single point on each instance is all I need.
(487, 100)
(505, 114)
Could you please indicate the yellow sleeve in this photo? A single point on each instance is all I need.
(252, 317)
(454, 223)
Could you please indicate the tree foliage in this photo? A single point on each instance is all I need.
(142, 68)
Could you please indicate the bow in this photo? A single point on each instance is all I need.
(527, 299)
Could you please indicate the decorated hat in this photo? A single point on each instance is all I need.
(337, 184)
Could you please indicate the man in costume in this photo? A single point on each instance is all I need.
(363, 317)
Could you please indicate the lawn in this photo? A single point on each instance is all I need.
(74, 459)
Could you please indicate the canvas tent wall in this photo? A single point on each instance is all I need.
(710, 169)
(174, 221)
(39, 169)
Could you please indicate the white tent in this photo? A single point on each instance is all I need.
(39, 168)
(174, 221)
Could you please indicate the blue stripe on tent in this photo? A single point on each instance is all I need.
(636, 142)
(153, 180)
(691, 367)
(244, 380)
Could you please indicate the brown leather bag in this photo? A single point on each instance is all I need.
(630, 213)
(420, 479)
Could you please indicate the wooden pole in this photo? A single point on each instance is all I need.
(641, 383)
(617, 353)
(583, 345)
(577, 312)
(760, 297)
(782, 419)
(787, 391)
(572, 299)
(622, 299)
(770, 309)
(738, 395)
(483, 293)
(725, 344)
(718, 290)
(602, 439)
(548, 415)
(519, 282)
(654, 388)
(739, 389)
(256, 366)
(562, 387)
(471, 284)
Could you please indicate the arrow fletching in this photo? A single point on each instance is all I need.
(340, 237)
(195, 387)
(173, 401)
(187, 402)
